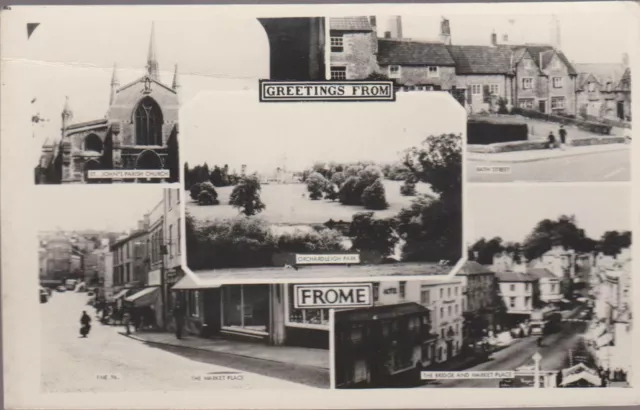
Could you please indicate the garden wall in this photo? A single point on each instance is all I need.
(595, 127)
(483, 132)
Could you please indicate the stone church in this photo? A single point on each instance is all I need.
(139, 131)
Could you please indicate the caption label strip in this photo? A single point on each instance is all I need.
(497, 374)
(130, 174)
(306, 91)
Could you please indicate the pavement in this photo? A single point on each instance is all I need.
(554, 352)
(108, 362)
(575, 164)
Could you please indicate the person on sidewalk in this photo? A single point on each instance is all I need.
(551, 141)
(126, 319)
(178, 315)
(85, 322)
(563, 136)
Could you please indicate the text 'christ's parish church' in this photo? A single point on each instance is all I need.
(139, 131)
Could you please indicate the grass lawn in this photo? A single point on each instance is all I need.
(290, 205)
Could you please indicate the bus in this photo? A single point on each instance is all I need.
(544, 323)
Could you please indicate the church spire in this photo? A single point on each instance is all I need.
(152, 62)
(115, 83)
(67, 114)
(176, 81)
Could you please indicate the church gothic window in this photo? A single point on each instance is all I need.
(93, 143)
(148, 121)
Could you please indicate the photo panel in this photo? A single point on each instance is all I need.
(322, 190)
(542, 107)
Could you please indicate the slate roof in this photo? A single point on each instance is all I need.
(541, 273)
(473, 268)
(546, 52)
(101, 122)
(408, 52)
(481, 59)
(382, 312)
(360, 23)
(510, 276)
(601, 72)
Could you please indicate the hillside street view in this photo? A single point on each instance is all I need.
(539, 108)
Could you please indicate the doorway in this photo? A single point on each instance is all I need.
(620, 110)
(542, 106)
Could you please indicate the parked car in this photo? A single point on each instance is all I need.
(44, 295)
(90, 293)
(61, 289)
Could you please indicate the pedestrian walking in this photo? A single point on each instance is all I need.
(551, 141)
(126, 318)
(178, 315)
(563, 136)
(85, 322)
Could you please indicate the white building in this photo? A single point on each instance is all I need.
(519, 291)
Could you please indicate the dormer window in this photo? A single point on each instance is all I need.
(609, 85)
(394, 71)
(555, 64)
(591, 86)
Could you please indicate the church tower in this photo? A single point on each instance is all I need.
(67, 115)
(115, 84)
(152, 62)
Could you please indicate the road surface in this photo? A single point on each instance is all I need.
(554, 352)
(600, 167)
(107, 361)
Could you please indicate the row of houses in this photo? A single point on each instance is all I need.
(142, 266)
(482, 77)
(64, 255)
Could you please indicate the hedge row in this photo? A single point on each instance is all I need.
(540, 144)
(482, 132)
(595, 127)
(607, 121)
(579, 142)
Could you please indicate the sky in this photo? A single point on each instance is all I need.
(118, 208)
(235, 129)
(512, 211)
(578, 38)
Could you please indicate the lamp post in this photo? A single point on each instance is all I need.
(536, 372)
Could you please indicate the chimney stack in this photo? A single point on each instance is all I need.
(374, 37)
(445, 32)
(395, 27)
(494, 39)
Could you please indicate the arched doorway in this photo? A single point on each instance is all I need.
(93, 143)
(92, 165)
(149, 160)
(148, 122)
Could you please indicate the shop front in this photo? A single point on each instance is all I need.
(259, 312)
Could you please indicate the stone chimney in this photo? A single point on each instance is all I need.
(395, 27)
(494, 39)
(445, 32)
(374, 37)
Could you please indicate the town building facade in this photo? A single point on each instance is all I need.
(479, 307)
(519, 291)
(604, 90)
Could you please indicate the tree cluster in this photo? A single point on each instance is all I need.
(548, 233)
(218, 176)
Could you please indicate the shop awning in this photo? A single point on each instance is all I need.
(121, 294)
(188, 282)
(145, 297)
(604, 340)
(590, 378)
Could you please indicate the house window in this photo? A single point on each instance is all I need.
(591, 86)
(170, 240)
(527, 83)
(169, 199)
(246, 307)
(456, 309)
(494, 89)
(557, 82)
(442, 333)
(512, 302)
(455, 291)
(394, 71)
(441, 293)
(148, 123)
(433, 72)
(476, 89)
(527, 287)
(194, 303)
(449, 311)
(609, 86)
(441, 312)
(425, 297)
(337, 44)
(526, 104)
(512, 287)
(527, 302)
(403, 290)
(557, 103)
(179, 237)
(338, 73)
(449, 292)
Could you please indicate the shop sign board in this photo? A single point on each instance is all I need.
(343, 295)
